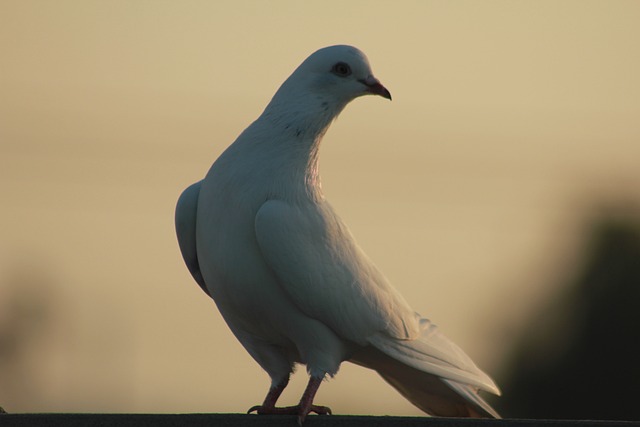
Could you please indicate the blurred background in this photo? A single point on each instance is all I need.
(499, 191)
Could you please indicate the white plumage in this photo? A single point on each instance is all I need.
(289, 279)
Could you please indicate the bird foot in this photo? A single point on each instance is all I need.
(289, 410)
(298, 410)
(302, 409)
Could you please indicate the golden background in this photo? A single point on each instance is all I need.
(512, 126)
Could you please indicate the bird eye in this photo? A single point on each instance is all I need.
(341, 69)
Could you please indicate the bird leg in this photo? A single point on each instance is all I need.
(270, 400)
(306, 406)
(302, 409)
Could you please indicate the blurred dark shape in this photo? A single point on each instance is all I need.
(26, 308)
(579, 358)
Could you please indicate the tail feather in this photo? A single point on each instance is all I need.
(431, 372)
(434, 353)
(471, 394)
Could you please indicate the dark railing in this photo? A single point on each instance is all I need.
(240, 420)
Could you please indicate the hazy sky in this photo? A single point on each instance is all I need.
(513, 123)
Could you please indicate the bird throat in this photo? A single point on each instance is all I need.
(301, 122)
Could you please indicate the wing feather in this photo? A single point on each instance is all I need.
(326, 274)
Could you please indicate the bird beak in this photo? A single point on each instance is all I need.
(375, 87)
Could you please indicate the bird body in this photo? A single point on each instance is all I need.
(286, 274)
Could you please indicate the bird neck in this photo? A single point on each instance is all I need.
(300, 115)
(302, 123)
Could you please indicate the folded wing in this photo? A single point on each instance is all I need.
(326, 274)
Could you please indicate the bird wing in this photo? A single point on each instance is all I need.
(326, 274)
(186, 211)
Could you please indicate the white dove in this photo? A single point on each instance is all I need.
(259, 237)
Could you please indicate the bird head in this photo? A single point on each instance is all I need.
(337, 73)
